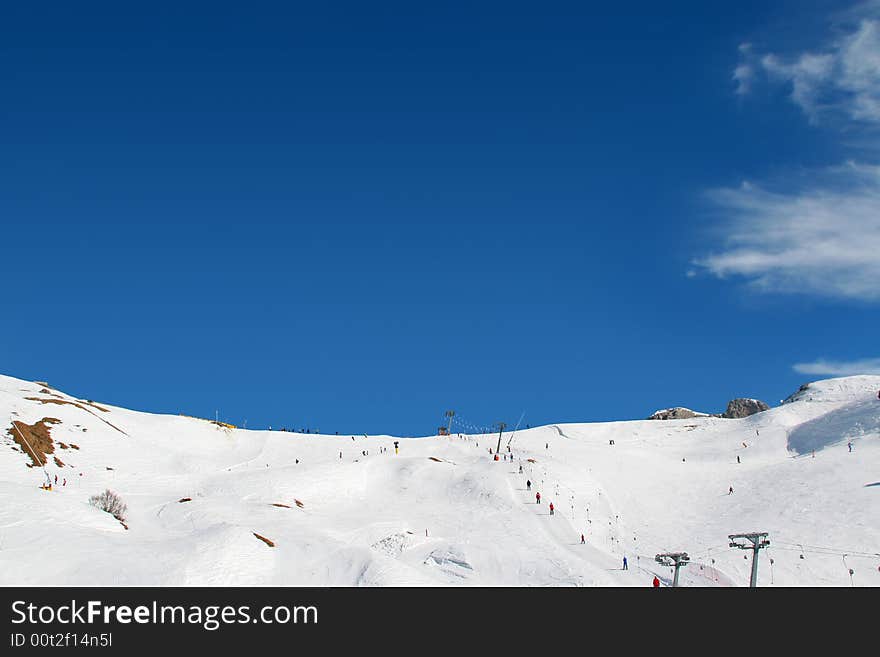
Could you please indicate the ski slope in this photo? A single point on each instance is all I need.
(442, 512)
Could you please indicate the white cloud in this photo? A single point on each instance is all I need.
(744, 73)
(820, 234)
(823, 241)
(809, 75)
(842, 80)
(823, 367)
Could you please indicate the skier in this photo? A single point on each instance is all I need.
(551, 508)
(730, 491)
(537, 498)
(520, 468)
(656, 582)
(64, 483)
(528, 484)
(625, 565)
(583, 540)
(849, 444)
(737, 459)
(546, 445)
(56, 478)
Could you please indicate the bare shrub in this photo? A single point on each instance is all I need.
(111, 503)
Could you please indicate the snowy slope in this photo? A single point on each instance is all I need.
(442, 512)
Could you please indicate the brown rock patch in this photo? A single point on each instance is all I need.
(34, 439)
(61, 402)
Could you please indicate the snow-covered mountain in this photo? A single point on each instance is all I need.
(202, 497)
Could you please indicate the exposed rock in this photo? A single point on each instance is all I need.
(743, 407)
(801, 393)
(677, 413)
(34, 439)
(736, 408)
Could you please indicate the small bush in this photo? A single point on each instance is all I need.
(111, 503)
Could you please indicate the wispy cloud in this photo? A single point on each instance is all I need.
(823, 241)
(823, 367)
(821, 233)
(744, 73)
(841, 80)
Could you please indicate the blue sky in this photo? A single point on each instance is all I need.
(352, 217)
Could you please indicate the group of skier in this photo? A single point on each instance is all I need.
(655, 583)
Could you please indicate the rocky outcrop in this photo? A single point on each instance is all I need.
(736, 408)
(743, 407)
(677, 413)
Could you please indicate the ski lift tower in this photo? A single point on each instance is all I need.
(676, 559)
(450, 415)
(501, 427)
(756, 541)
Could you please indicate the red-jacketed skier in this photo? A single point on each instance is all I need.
(537, 498)
(656, 582)
(551, 508)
